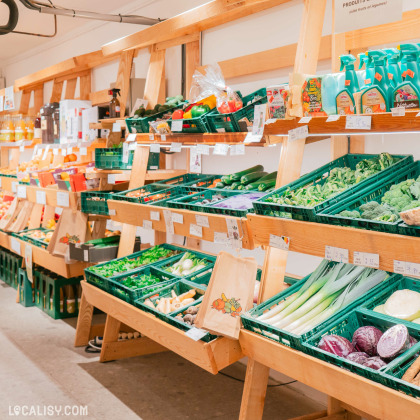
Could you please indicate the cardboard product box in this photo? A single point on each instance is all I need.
(276, 96)
(71, 119)
(88, 252)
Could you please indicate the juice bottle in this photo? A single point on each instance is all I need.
(30, 127)
(9, 130)
(20, 130)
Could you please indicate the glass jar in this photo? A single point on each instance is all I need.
(47, 122)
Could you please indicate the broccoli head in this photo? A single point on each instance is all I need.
(412, 205)
(415, 190)
(353, 214)
(370, 206)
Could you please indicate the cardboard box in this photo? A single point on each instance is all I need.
(71, 119)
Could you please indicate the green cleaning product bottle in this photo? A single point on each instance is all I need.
(364, 59)
(394, 72)
(375, 98)
(344, 100)
(407, 93)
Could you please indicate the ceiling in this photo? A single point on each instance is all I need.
(32, 21)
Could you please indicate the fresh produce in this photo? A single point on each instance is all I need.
(148, 195)
(338, 180)
(412, 374)
(188, 316)
(403, 304)
(330, 288)
(207, 201)
(248, 179)
(411, 216)
(140, 281)
(187, 265)
(150, 256)
(252, 177)
(173, 303)
(358, 357)
(373, 211)
(393, 342)
(238, 175)
(239, 202)
(336, 344)
(229, 102)
(199, 110)
(365, 339)
(170, 103)
(374, 363)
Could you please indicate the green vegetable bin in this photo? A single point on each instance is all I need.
(26, 292)
(345, 327)
(118, 289)
(181, 286)
(151, 193)
(112, 158)
(195, 125)
(189, 180)
(141, 125)
(373, 192)
(96, 202)
(262, 206)
(23, 235)
(222, 123)
(287, 338)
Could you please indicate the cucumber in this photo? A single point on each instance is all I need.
(241, 187)
(272, 175)
(253, 186)
(226, 179)
(237, 176)
(220, 184)
(235, 185)
(266, 185)
(252, 177)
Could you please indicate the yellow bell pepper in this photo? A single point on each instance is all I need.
(187, 115)
(211, 101)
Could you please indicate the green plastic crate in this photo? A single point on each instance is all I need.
(141, 125)
(23, 235)
(181, 286)
(26, 291)
(284, 337)
(195, 125)
(404, 229)
(149, 192)
(230, 122)
(39, 287)
(189, 180)
(96, 202)
(319, 176)
(112, 158)
(101, 281)
(118, 289)
(14, 263)
(373, 192)
(345, 327)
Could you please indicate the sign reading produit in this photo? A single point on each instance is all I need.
(357, 14)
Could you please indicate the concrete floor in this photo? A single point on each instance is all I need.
(39, 366)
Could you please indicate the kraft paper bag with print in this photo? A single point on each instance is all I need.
(9, 216)
(229, 294)
(22, 218)
(71, 227)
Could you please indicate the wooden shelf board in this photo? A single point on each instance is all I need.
(135, 214)
(192, 139)
(4, 240)
(7, 183)
(368, 396)
(51, 196)
(212, 356)
(311, 238)
(381, 123)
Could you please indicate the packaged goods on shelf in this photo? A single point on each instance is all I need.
(71, 119)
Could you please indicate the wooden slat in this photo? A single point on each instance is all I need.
(38, 98)
(57, 91)
(85, 86)
(51, 196)
(94, 59)
(192, 61)
(154, 77)
(186, 39)
(198, 19)
(70, 88)
(313, 416)
(123, 78)
(84, 321)
(24, 102)
(100, 97)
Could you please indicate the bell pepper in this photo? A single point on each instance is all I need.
(187, 115)
(199, 110)
(211, 101)
(178, 114)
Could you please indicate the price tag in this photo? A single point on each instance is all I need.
(366, 259)
(232, 228)
(15, 245)
(398, 112)
(125, 153)
(298, 133)
(14, 186)
(358, 258)
(237, 149)
(220, 130)
(116, 128)
(147, 224)
(112, 178)
(399, 267)
(63, 199)
(112, 212)
(203, 149)
(55, 151)
(281, 242)
(220, 149)
(357, 122)
(22, 148)
(336, 254)
(21, 191)
(418, 114)
(253, 138)
(304, 120)
(39, 152)
(168, 221)
(44, 156)
(332, 118)
(178, 218)
(220, 238)
(176, 147)
(0, 181)
(202, 221)
(83, 151)
(132, 146)
(151, 136)
(163, 137)
(155, 215)
(196, 230)
(58, 210)
(155, 148)
(270, 121)
(69, 150)
(412, 269)
(131, 137)
(63, 152)
(41, 197)
(260, 114)
(85, 255)
(196, 333)
(176, 125)
(28, 262)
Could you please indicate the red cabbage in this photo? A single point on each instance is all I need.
(336, 344)
(393, 342)
(374, 363)
(365, 339)
(358, 357)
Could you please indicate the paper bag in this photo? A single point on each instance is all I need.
(21, 217)
(229, 294)
(10, 214)
(71, 228)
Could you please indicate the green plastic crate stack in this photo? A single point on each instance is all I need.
(146, 193)
(189, 180)
(96, 202)
(112, 158)
(268, 206)
(25, 236)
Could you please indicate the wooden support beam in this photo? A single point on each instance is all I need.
(313, 416)
(57, 91)
(123, 78)
(192, 61)
(186, 39)
(70, 88)
(154, 77)
(84, 323)
(85, 85)
(209, 15)
(38, 98)
(101, 97)
(24, 102)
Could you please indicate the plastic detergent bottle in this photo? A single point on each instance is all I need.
(407, 93)
(375, 98)
(364, 59)
(328, 92)
(394, 71)
(344, 99)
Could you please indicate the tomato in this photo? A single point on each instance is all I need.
(178, 114)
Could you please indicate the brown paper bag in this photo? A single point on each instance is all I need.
(229, 294)
(71, 227)
(10, 214)
(21, 220)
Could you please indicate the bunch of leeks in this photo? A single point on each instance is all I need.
(330, 288)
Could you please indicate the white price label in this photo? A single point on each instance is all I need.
(112, 212)
(132, 146)
(202, 221)
(196, 333)
(63, 152)
(28, 262)
(203, 149)
(398, 112)
(366, 259)
(298, 133)
(163, 137)
(281, 242)
(332, 118)
(176, 147)
(58, 210)
(220, 130)
(147, 224)
(418, 114)
(253, 138)
(412, 269)
(336, 254)
(131, 137)
(0, 181)
(22, 148)
(14, 186)
(116, 127)
(83, 151)
(358, 122)
(63, 199)
(399, 267)
(125, 152)
(41, 197)
(220, 238)
(155, 148)
(155, 215)
(44, 156)
(15, 245)
(237, 149)
(85, 255)
(358, 258)
(168, 222)
(69, 150)
(55, 151)
(232, 228)
(178, 218)
(21, 191)
(220, 149)
(112, 178)
(304, 120)
(176, 125)
(151, 136)
(270, 121)
(196, 230)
